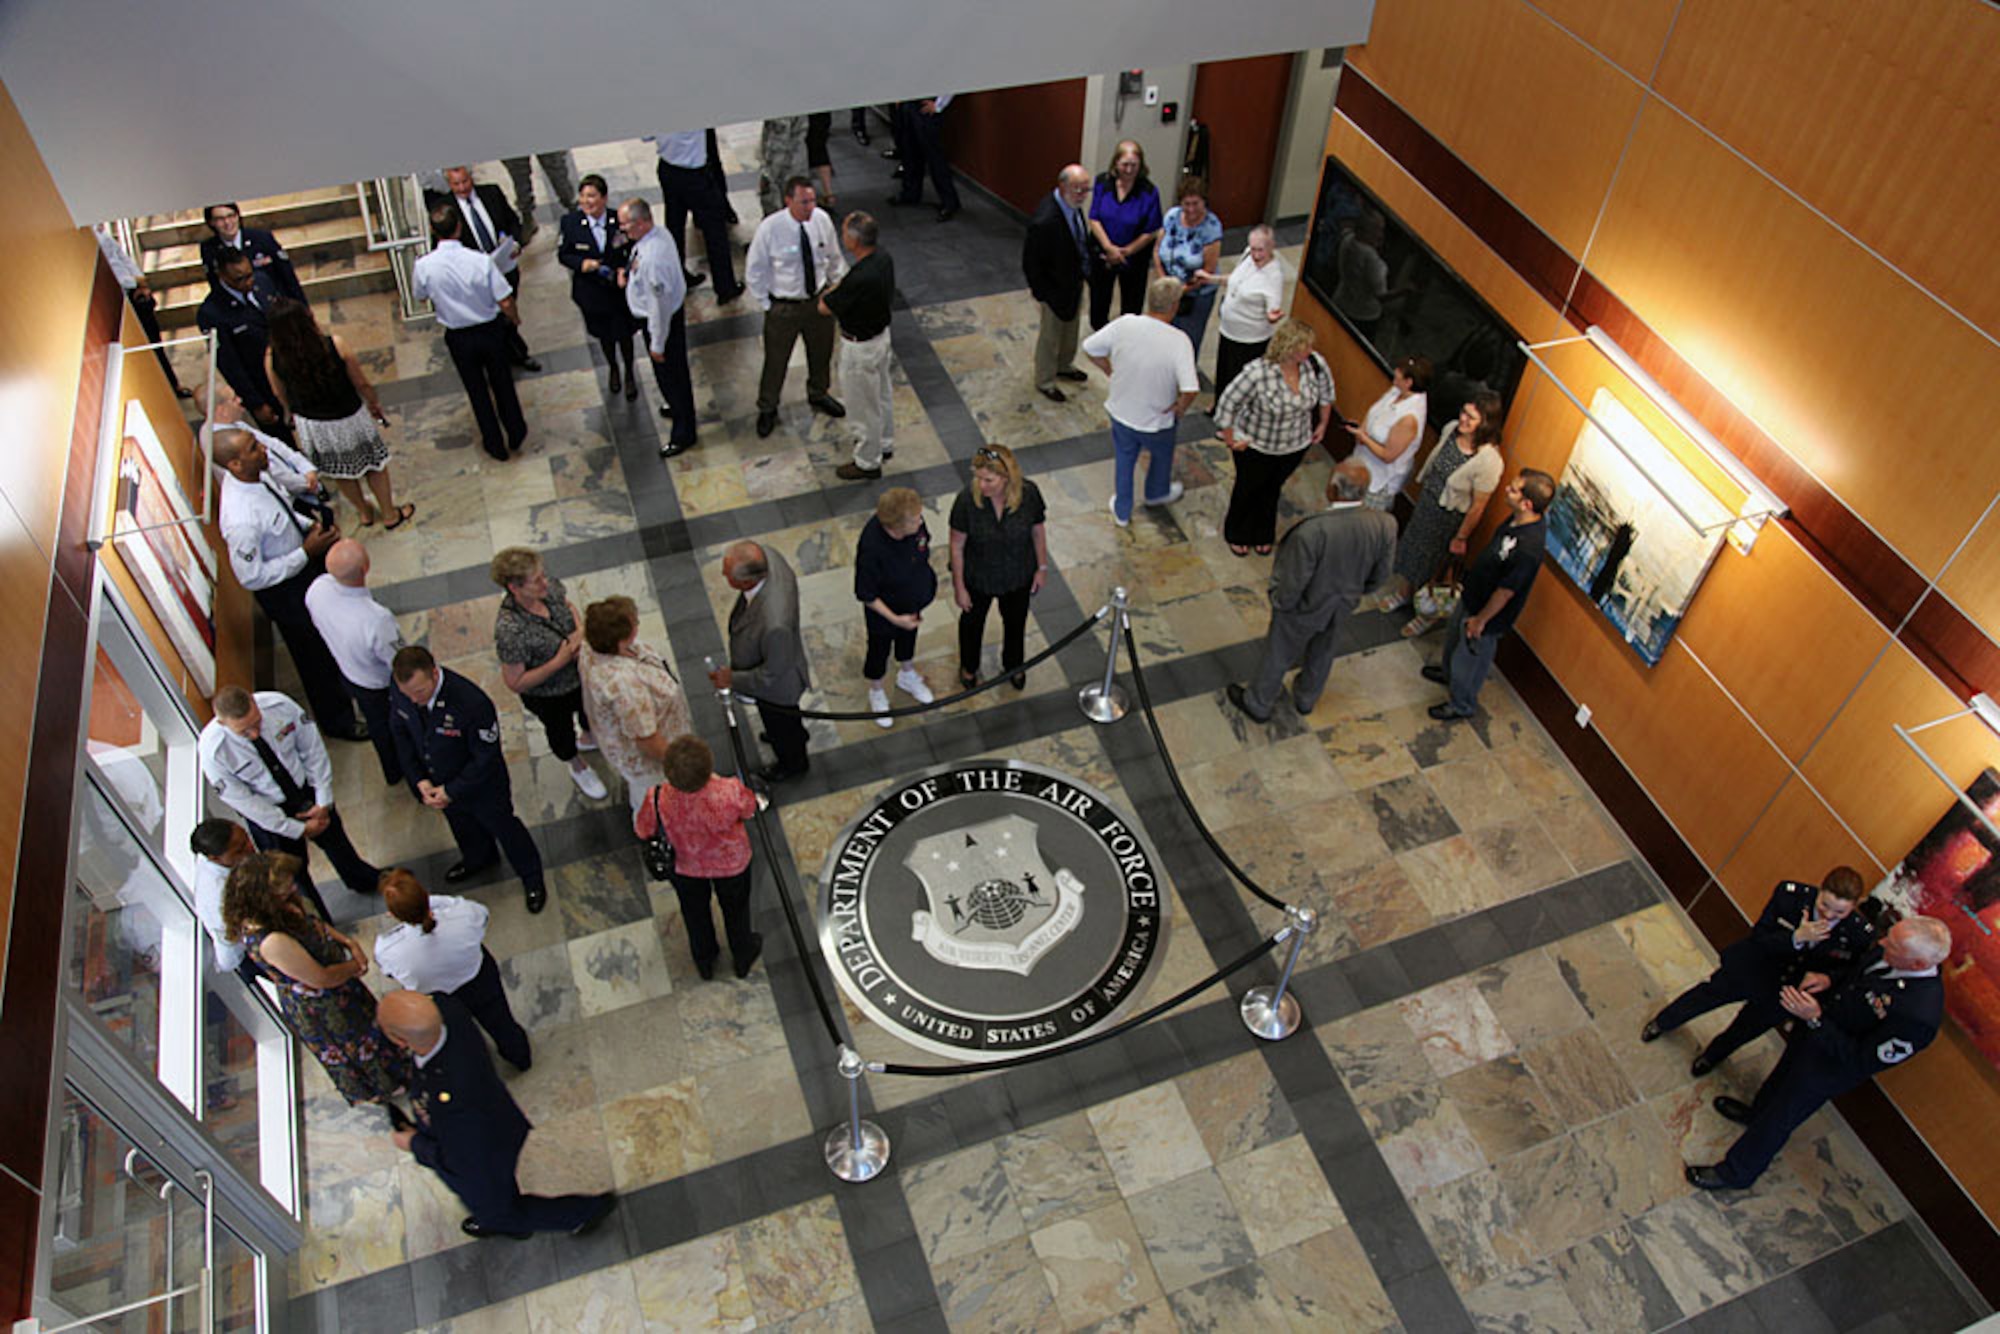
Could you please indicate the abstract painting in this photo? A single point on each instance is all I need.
(1952, 875)
(167, 554)
(1614, 528)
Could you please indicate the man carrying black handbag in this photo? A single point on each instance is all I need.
(697, 818)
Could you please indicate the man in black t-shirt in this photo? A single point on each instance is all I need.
(1496, 587)
(860, 301)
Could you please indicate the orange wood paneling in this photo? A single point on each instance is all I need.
(1973, 579)
(1877, 114)
(1876, 783)
(1534, 112)
(1631, 32)
(1859, 376)
(1951, 1094)
(24, 602)
(1798, 838)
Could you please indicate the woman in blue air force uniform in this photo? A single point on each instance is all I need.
(595, 252)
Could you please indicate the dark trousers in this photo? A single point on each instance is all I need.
(686, 190)
(1013, 630)
(1252, 520)
(922, 146)
(1128, 280)
(1299, 641)
(1466, 662)
(487, 999)
(732, 895)
(479, 354)
(479, 823)
(356, 874)
(374, 707)
(1791, 1093)
(560, 715)
(676, 385)
(494, 1200)
(517, 346)
(883, 636)
(147, 309)
(1760, 1013)
(784, 324)
(786, 732)
(1231, 357)
(325, 687)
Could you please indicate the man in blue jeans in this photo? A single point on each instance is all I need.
(1151, 365)
(1496, 588)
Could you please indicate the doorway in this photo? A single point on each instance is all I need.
(1242, 102)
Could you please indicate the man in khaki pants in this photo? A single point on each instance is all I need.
(861, 302)
(1054, 258)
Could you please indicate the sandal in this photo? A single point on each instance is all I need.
(403, 514)
(1419, 625)
(1235, 550)
(1263, 548)
(368, 517)
(967, 680)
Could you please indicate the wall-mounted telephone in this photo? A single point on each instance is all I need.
(1131, 83)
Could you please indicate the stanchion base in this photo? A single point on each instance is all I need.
(1101, 705)
(1268, 1021)
(849, 1163)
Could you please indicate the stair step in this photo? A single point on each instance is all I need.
(273, 214)
(172, 266)
(328, 279)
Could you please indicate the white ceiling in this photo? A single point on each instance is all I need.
(148, 107)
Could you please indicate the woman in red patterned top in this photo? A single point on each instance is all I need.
(703, 815)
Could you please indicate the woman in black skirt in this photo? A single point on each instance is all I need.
(595, 252)
(1273, 410)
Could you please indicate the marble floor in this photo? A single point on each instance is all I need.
(1467, 1133)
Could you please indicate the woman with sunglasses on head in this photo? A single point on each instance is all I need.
(999, 553)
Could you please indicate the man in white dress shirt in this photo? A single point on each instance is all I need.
(276, 553)
(363, 637)
(687, 185)
(794, 257)
(656, 292)
(219, 847)
(266, 761)
(440, 947)
(492, 227)
(475, 304)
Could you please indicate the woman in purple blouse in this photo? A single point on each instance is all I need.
(1124, 221)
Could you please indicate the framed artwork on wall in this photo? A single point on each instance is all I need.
(167, 554)
(1953, 874)
(1620, 530)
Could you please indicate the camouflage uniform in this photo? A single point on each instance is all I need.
(784, 153)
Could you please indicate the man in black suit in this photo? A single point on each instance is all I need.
(239, 312)
(469, 1129)
(493, 228)
(227, 234)
(1053, 259)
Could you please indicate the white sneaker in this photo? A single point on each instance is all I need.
(1122, 523)
(588, 783)
(878, 700)
(1174, 492)
(913, 685)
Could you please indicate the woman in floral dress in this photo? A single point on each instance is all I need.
(317, 971)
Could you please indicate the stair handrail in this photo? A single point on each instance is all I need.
(403, 250)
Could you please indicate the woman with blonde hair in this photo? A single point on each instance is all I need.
(894, 582)
(1275, 408)
(999, 552)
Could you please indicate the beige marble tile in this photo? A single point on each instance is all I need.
(1696, 1253)
(1325, 1283)
(1366, 751)
(1503, 1107)
(696, 1286)
(1096, 1265)
(431, 1213)
(1236, 1106)
(1530, 999)
(1470, 1223)
(1474, 788)
(635, 1048)
(1148, 1138)
(1338, 833)
(1423, 1139)
(1154, 1317)
(618, 967)
(1600, 968)
(1521, 857)
(1645, 1170)
(1848, 1185)
(1613, 1287)
(1780, 1222)
(656, 1134)
(752, 1104)
(962, 1203)
(1378, 902)
(353, 1227)
(1530, 1298)
(1667, 948)
(1376, 1054)
(1582, 833)
(567, 1155)
(1580, 1075)
(603, 1300)
(1451, 876)
(796, 1260)
(998, 1290)
(849, 1315)
(1056, 1170)
(1560, 1194)
(725, 1021)
(1239, 1299)
(1280, 1194)
(1454, 1025)
(1191, 1230)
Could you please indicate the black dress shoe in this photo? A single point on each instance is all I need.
(947, 214)
(538, 898)
(673, 449)
(1651, 1032)
(891, 154)
(1053, 394)
(666, 413)
(605, 1204)
(694, 280)
(767, 422)
(778, 773)
(182, 391)
(1705, 1178)
(723, 298)
(745, 962)
(617, 380)
(1700, 1066)
(897, 201)
(499, 455)
(1072, 373)
(632, 389)
(358, 732)
(1734, 1109)
(861, 135)
(471, 1228)
(1432, 672)
(529, 364)
(1235, 694)
(706, 967)
(463, 871)
(828, 404)
(1019, 680)
(1444, 713)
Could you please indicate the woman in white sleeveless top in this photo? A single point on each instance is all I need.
(1387, 439)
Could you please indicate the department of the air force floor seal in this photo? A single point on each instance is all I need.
(991, 908)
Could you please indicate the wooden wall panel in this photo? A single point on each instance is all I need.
(1951, 1095)
(1877, 784)
(1013, 141)
(1909, 85)
(1536, 113)
(1630, 33)
(1860, 377)
(1973, 581)
(1798, 838)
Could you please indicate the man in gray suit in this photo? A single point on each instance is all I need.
(1324, 565)
(767, 656)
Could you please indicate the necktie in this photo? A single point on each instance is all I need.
(1076, 230)
(480, 231)
(284, 505)
(806, 258)
(597, 232)
(297, 799)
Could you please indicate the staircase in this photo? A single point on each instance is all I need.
(320, 229)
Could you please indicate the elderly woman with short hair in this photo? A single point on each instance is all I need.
(894, 582)
(1253, 302)
(701, 814)
(536, 637)
(633, 694)
(1277, 407)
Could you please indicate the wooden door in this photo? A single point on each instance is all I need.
(1243, 104)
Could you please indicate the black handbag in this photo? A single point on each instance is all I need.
(659, 853)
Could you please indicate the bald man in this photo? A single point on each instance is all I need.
(1879, 1013)
(1054, 256)
(363, 637)
(767, 655)
(469, 1129)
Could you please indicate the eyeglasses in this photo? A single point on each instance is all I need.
(986, 454)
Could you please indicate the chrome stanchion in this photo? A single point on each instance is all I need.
(1105, 702)
(859, 1150)
(1273, 1012)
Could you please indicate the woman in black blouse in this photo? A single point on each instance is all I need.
(894, 582)
(999, 552)
(596, 254)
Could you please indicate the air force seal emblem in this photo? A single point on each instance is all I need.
(991, 908)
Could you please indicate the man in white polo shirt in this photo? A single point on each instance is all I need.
(475, 305)
(1151, 365)
(363, 637)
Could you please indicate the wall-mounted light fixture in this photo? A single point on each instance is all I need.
(1988, 712)
(1759, 501)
